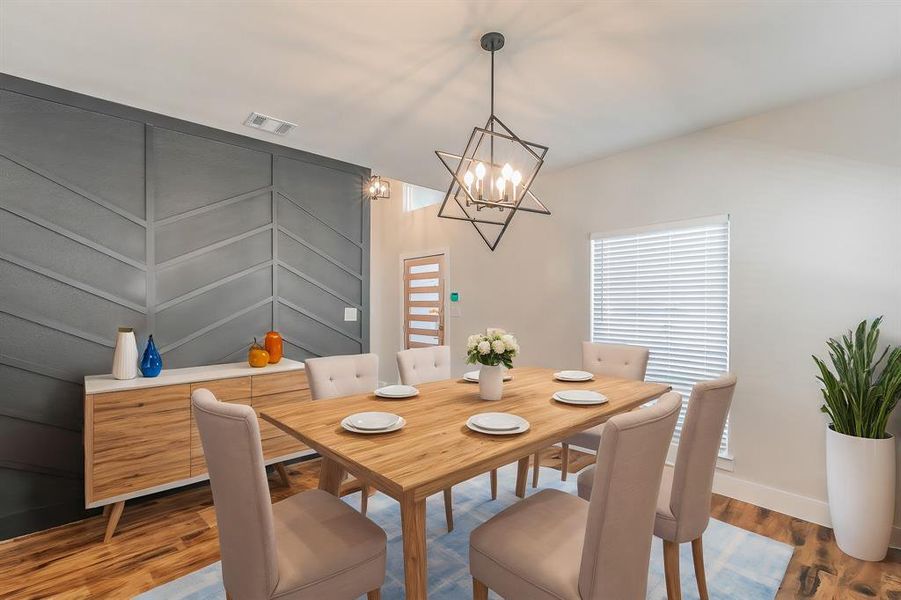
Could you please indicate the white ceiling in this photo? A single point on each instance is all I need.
(384, 84)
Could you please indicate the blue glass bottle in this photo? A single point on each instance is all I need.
(151, 362)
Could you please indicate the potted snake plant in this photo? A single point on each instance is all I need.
(861, 390)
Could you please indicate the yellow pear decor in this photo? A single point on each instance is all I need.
(257, 355)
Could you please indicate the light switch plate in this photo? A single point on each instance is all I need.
(350, 313)
(456, 310)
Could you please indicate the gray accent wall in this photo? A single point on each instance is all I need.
(111, 216)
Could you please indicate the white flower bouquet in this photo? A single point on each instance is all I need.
(495, 348)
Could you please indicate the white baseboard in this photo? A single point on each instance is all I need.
(794, 505)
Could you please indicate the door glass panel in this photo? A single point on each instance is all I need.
(431, 268)
(426, 297)
(415, 283)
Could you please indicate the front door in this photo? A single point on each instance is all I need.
(424, 301)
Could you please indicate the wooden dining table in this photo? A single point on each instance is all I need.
(435, 449)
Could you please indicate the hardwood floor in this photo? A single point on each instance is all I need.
(164, 537)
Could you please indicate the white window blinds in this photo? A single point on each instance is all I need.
(666, 288)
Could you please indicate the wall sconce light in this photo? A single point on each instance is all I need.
(379, 188)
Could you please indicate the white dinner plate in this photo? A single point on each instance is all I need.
(573, 376)
(580, 397)
(473, 376)
(372, 421)
(397, 391)
(497, 420)
(346, 425)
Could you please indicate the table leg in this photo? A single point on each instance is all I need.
(330, 476)
(412, 517)
(522, 473)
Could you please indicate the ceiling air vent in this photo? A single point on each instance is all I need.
(270, 124)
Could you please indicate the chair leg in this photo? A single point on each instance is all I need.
(375, 594)
(535, 469)
(449, 509)
(283, 474)
(479, 590)
(564, 461)
(671, 570)
(697, 553)
(364, 498)
(494, 484)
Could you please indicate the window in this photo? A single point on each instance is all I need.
(666, 288)
(416, 197)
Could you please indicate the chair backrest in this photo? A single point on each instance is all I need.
(336, 376)
(421, 365)
(623, 501)
(615, 360)
(699, 446)
(231, 445)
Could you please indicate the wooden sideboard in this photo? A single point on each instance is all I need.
(140, 437)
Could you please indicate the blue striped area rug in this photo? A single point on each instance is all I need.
(739, 564)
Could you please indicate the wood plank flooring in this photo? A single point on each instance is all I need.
(166, 536)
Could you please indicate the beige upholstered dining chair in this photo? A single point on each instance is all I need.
(309, 546)
(609, 360)
(683, 506)
(345, 375)
(555, 545)
(422, 365)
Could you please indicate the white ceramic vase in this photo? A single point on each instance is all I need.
(860, 477)
(125, 357)
(491, 382)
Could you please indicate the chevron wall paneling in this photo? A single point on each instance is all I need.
(111, 216)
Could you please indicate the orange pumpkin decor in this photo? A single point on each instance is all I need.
(257, 355)
(273, 343)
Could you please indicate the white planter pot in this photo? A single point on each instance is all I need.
(125, 357)
(860, 477)
(491, 382)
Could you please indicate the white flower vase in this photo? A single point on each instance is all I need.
(860, 478)
(491, 382)
(125, 357)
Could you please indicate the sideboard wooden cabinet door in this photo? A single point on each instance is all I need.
(141, 439)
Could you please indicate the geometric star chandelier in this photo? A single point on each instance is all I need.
(491, 180)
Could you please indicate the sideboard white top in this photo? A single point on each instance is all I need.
(99, 384)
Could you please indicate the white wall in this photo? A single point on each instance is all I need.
(814, 194)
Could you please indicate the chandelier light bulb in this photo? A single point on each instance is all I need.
(480, 171)
(507, 171)
(516, 177)
(468, 178)
(500, 183)
(372, 189)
